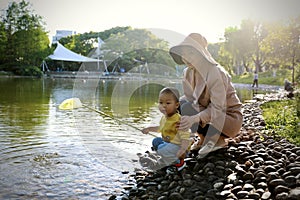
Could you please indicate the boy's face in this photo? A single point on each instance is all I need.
(167, 104)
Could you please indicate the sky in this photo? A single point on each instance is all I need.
(208, 17)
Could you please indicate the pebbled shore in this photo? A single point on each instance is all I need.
(253, 166)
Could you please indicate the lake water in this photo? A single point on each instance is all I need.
(75, 154)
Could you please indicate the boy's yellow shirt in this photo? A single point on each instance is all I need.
(169, 132)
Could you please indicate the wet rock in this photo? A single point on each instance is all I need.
(269, 169)
(262, 185)
(112, 197)
(161, 198)
(228, 187)
(276, 182)
(280, 189)
(266, 195)
(254, 195)
(273, 175)
(259, 180)
(295, 171)
(188, 183)
(172, 185)
(242, 194)
(260, 173)
(248, 187)
(294, 194)
(175, 196)
(260, 191)
(209, 166)
(218, 185)
(231, 196)
(248, 176)
(290, 181)
(236, 189)
(282, 196)
(258, 161)
(182, 190)
(240, 171)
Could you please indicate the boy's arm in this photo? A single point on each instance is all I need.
(150, 129)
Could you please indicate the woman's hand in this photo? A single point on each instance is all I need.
(186, 122)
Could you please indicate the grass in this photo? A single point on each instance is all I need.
(282, 119)
(267, 78)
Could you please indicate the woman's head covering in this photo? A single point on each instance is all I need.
(197, 42)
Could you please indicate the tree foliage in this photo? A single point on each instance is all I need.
(24, 42)
(261, 46)
(83, 44)
(135, 47)
(124, 47)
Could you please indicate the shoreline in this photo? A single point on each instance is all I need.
(253, 166)
(71, 75)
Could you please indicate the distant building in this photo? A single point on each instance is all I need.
(60, 34)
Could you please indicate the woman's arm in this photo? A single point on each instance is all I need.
(215, 113)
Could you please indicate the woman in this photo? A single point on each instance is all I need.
(210, 106)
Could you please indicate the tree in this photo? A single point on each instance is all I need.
(84, 43)
(225, 58)
(281, 46)
(274, 45)
(135, 46)
(30, 46)
(258, 57)
(243, 44)
(3, 42)
(246, 43)
(230, 50)
(26, 43)
(294, 44)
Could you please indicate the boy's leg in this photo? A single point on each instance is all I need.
(156, 142)
(168, 152)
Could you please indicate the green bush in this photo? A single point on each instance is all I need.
(282, 119)
(3, 73)
(29, 71)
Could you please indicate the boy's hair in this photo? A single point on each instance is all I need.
(172, 91)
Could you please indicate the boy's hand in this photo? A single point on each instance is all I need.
(150, 129)
(145, 130)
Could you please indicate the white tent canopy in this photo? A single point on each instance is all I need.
(62, 53)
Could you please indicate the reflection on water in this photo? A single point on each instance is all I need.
(246, 92)
(49, 153)
(132, 102)
(41, 153)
